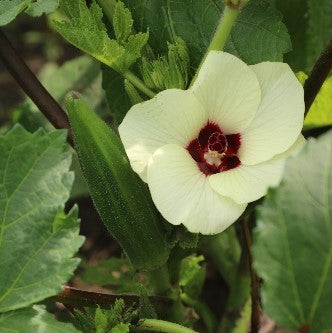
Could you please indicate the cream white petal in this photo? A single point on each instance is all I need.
(183, 194)
(279, 119)
(248, 183)
(229, 91)
(172, 116)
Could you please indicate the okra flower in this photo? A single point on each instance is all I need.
(208, 151)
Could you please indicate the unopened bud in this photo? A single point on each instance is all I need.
(132, 93)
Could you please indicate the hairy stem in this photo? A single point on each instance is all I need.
(317, 76)
(224, 29)
(155, 325)
(32, 87)
(221, 35)
(138, 83)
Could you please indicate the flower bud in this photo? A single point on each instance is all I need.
(169, 71)
(132, 93)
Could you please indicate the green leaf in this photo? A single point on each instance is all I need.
(192, 276)
(115, 272)
(319, 30)
(121, 198)
(40, 7)
(122, 22)
(81, 74)
(85, 29)
(133, 48)
(320, 113)
(85, 321)
(146, 309)
(9, 9)
(226, 243)
(101, 321)
(258, 35)
(242, 325)
(120, 328)
(293, 241)
(181, 236)
(117, 98)
(295, 18)
(32, 320)
(37, 240)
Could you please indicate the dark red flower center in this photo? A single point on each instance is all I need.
(214, 151)
(217, 142)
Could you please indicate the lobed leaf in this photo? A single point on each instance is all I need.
(319, 29)
(39, 7)
(118, 100)
(120, 328)
(296, 19)
(192, 276)
(85, 29)
(122, 22)
(9, 9)
(293, 241)
(31, 320)
(37, 239)
(258, 35)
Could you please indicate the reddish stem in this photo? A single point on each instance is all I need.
(79, 297)
(32, 87)
(317, 76)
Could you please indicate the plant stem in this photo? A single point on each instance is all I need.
(203, 311)
(138, 83)
(32, 87)
(155, 325)
(239, 287)
(79, 297)
(159, 278)
(255, 304)
(221, 35)
(317, 76)
(224, 29)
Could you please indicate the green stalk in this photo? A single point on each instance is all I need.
(224, 29)
(203, 311)
(221, 35)
(159, 278)
(138, 83)
(155, 325)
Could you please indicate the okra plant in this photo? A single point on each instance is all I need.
(200, 129)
